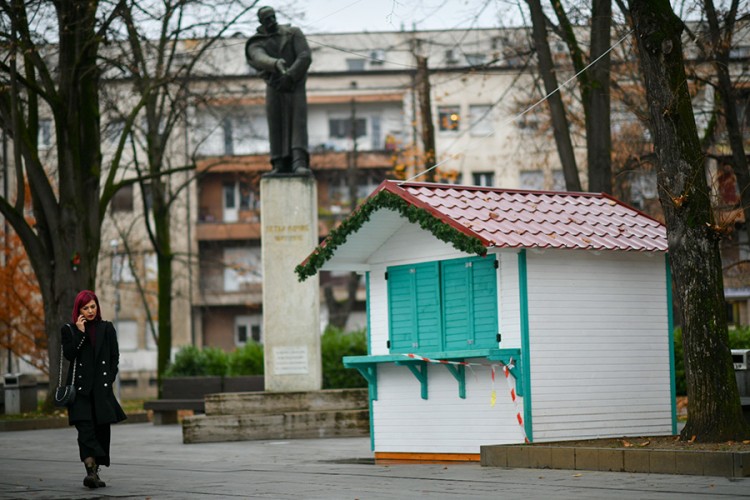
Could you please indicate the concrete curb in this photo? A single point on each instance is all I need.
(32, 424)
(696, 463)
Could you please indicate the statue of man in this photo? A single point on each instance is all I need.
(281, 55)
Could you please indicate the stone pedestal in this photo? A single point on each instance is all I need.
(291, 310)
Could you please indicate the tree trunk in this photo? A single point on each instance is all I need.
(598, 128)
(715, 411)
(557, 109)
(425, 114)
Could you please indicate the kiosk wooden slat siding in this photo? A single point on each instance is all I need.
(574, 288)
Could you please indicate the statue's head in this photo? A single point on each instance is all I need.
(267, 18)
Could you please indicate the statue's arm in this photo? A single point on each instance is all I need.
(259, 59)
(299, 67)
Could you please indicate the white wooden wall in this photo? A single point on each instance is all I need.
(599, 345)
(444, 423)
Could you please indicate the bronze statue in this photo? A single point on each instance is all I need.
(281, 55)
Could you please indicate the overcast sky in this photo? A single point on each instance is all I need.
(315, 16)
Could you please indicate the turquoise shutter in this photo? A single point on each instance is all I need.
(457, 309)
(428, 307)
(470, 299)
(484, 292)
(414, 307)
(401, 308)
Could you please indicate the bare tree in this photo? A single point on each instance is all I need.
(715, 411)
(49, 68)
(557, 109)
(164, 72)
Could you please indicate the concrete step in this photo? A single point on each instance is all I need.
(244, 403)
(285, 425)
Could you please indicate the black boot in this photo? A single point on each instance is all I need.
(300, 162)
(92, 474)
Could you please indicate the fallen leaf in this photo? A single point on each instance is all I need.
(577, 475)
(645, 443)
(626, 444)
(692, 439)
(746, 442)
(493, 215)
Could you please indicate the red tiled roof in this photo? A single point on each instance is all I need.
(536, 219)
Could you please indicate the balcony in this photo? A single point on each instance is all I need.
(223, 231)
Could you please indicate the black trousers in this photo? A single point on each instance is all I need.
(93, 439)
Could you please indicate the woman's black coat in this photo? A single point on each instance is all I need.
(96, 369)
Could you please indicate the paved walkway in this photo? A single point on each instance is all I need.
(151, 462)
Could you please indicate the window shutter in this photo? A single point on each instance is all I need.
(427, 281)
(457, 308)
(414, 307)
(484, 291)
(401, 302)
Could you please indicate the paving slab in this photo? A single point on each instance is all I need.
(151, 462)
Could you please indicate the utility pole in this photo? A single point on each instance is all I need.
(351, 171)
(425, 115)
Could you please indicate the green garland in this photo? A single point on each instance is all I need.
(386, 199)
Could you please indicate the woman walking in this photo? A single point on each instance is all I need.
(91, 344)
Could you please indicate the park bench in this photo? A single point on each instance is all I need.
(187, 393)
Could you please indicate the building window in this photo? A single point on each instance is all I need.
(451, 57)
(242, 268)
(248, 329)
(44, 138)
(122, 201)
(127, 335)
(122, 269)
(238, 197)
(341, 128)
(377, 57)
(239, 131)
(151, 342)
(446, 305)
(475, 59)
(449, 118)
(486, 179)
(355, 64)
(558, 181)
(151, 266)
(532, 179)
(480, 120)
(113, 131)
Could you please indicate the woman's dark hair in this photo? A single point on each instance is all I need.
(83, 298)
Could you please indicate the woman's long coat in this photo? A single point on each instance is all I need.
(95, 371)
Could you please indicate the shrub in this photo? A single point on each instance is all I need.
(334, 345)
(215, 360)
(193, 362)
(188, 362)
(739, 338)
(247, 360)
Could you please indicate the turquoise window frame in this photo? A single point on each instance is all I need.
(417, 305)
